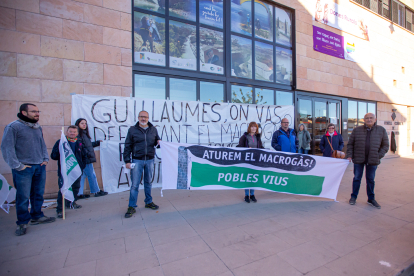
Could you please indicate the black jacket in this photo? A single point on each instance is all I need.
(81, 154)
(140, 143)
(244, 143)
(89, 145)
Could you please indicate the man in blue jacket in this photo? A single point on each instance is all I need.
(284, 139)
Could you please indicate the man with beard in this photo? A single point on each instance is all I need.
(24, 150)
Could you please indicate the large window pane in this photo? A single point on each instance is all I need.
(211, 51)
(263, 24)
(241, 17)
(283, 27)
(151, 5)
(284, 98)
(183, 90)
(211, 92)
(149, 39)
(185, 9)
(183, 49)
(283, 66)
(362, 110)
(149, 87)
(371, 108)
(264, 61)
(264, 96)
(241, 94)
(241, 57)
(352, 116)
(211, 13)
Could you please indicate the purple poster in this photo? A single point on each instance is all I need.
(328, 42)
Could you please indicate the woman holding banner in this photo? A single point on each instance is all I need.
(331, 141)
(89, 170)
(251, 139)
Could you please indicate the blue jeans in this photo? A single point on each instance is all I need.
(29, 183)
(301, 150)
(146, 166)
(246, 192)
(93, 182)
(370, 178)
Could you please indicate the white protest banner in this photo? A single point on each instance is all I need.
(342, 17)
(6, 194)
(198, 167)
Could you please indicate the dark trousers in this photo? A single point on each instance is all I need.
(29, 183)
(75, 189)
(370, 178)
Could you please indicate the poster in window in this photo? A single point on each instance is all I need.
(211, 51)
(283, 66)
(185, 9)
(241, 57)
(149, 39)
(263, 20)
(211, 12)
(283, 27)
(264, 61)
(183, 49)
(241, 16)
(151, 5)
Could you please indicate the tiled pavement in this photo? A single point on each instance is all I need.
(216, 233)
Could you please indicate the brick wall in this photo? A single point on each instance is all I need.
(51, 48)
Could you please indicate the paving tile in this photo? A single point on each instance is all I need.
(290, 219)
(172, 234)
(78, 239)
(384, 224)
(137, 242)
(351, 216)
(362, 231)
(203, 227)
(262, 227)
(19, 251)
(341, 243)
(308, 256)
(294, 235)
(202, 264)
(225, 237)
(402, 213)
(272, 266)
(153, 271)
(83, 269)
(322, 271)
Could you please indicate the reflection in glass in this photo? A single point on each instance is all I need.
(211, 12)
(320, 124)
(183, 90)
(284, 98)
(241, 17)
(185, 9)
(362, 110)
(283, 27)
(241, 57)
(283, 66)
(352, 116)
(211, 92)
(334, 115)
(149, 39)
(263, 24)
(149, 87)
(264, 96)
(211, 51)
(241, 94)
(264, 61)
(371, 108)
(305, 116)
(183, 49)
(151, 5)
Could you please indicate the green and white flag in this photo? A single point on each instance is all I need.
(69, 168)
(199, 167)
(6, 193)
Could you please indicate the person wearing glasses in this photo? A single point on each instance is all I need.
(139, 155)
(24, 150)
(331, 138)
(284, 139)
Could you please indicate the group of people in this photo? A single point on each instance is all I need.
(24, 150)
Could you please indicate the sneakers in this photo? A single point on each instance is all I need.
(352, 201)
(59, 214)
(74, 205)
(101, 193)
(83, 196)
(246, 198)
(21, 230)
(253, 198)
(374, 203)
(130, 212)
(152, 206)
(42, 220)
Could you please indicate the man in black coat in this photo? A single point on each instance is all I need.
(80, 154)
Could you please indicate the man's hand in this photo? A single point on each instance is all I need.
(128, 165)
(44, 163)
(349, 159)
(26, 166)
(158, 142)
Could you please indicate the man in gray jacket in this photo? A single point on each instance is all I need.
(366, 146)
(24, 150)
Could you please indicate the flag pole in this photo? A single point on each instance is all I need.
(63, 195)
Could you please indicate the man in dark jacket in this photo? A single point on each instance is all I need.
(366, 146)
(284, 139)
(81, 155)
(140, 144)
